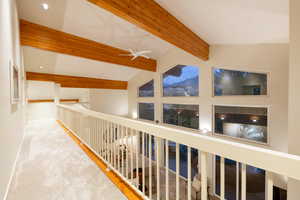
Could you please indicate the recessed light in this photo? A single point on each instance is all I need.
(41, 67)
(45, 6)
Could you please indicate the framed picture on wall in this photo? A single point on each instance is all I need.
(14, 83)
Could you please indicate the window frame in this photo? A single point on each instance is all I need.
(138, 89)
(267, 73)
(247, 141)
(162, 82)
(138, 112)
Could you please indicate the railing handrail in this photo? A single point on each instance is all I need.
(269, 160)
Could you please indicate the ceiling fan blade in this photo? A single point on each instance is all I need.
(143, 52)
(145, 56)
(134, 57)
(131, 51)
(125, 55)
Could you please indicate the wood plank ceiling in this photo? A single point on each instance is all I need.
(150, 16)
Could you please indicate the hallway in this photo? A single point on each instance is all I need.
(52, 167)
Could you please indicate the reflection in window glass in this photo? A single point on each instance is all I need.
(146, 111)
(147, 90)
(255, 182)
(242, 122)
(181, 115)
(230, 82)
(181, 80)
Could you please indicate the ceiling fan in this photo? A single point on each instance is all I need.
(136, 54)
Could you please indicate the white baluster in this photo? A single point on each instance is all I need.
(222, 181)
(143, 160)
(189, 174)
(131, 153)
(269, 185)
(244, 181)
(158, 143)
(137, 157)
(203, 158)
(150, 165)
(167, 169)
(177, 172)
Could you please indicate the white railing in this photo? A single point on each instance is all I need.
(116, 140)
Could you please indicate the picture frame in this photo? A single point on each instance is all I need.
(14, 83)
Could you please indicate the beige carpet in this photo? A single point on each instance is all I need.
(52, 167)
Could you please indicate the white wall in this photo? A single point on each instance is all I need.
(46, 90)
(11, 116)
(273, 59)
(109, 101)
(75, 93)
(37, 90)
(294, 92)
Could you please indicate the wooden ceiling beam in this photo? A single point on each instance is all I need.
(45, 38)
(150, 16)
(77, 82)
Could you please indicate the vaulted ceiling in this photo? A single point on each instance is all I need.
(217, 22)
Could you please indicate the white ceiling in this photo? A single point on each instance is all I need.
(217, 22)
(54, 63)
(86, 20)
(234, 21)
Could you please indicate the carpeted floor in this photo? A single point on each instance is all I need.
(52, 167)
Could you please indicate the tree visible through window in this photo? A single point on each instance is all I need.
(181, 115)
(181, 80)
(185, 116)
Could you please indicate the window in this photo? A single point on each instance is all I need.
(181, 115)
(146, 111)
(255, 181)
(242, 122)
(147, 90)
(230, 82)
(181, 80)
(146, 145)
(183, 164)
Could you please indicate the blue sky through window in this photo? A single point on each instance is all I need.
(187, 72)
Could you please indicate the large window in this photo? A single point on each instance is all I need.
(230, 82)
(183, 157)
(181, 115)
(146, 145)
(146, 111)
(181, 80)
(248, 123)
(255, 181)
(147, 90)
